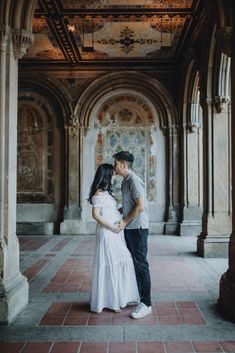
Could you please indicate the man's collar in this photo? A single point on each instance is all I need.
(128, 176)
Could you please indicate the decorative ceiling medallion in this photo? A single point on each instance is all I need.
(138, 40)
(127, 41)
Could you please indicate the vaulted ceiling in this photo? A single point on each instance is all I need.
(78, 31)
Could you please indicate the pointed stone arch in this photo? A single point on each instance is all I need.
(52, 106)
(191, 172)
(18, 14)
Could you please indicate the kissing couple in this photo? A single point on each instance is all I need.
(121, 274)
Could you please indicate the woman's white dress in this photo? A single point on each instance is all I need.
(114, 280)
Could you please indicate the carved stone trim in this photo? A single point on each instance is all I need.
(170, 129)
(226, 38)
(74, 120)
(193, 126)
(4, 33)
(22, 40)
(221, 102)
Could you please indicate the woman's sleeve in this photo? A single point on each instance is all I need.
(96, 201)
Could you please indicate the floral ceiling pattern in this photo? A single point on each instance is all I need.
(110, 30)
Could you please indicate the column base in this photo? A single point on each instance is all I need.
(156, 228)
(190, 228)
(13, 299)
(213, 246)
(227, 296)
(171, 228)
(36, 228)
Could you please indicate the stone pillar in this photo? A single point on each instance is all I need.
(72, 223)
(192, 176)
(172, 223)
(13, 285)
(216, 220)
(227, 282)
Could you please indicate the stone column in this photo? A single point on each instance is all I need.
(227, 282)
(72, 223)
(172, 223)
(192, 176)
(216, 220)
(13, 285)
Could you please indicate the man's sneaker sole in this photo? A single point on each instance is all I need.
(141, 316)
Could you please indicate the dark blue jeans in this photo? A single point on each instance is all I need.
(136, 241)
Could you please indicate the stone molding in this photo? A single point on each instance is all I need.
(4, 33)
(22, 40)
(171, 129)
(204, 101)
(226, 38)
(221, 102)
(193, 126)
(73, 126)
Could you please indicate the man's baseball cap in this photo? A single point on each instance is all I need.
(124, 156)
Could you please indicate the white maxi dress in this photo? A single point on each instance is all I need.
(114, 280)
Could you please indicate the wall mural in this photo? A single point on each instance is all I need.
(34, 155)
(125, 123)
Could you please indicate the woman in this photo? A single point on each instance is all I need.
(114, 280)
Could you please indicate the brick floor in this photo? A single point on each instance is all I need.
(34, 270)
(30, 244)
(184, 319)
(86, 247)
(119, 347)
(73, 276)
(61, 245)
(169, 278)
(172, 313)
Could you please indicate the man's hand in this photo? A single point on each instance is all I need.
(122, 223)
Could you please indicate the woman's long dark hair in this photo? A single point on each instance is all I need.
(102, 180)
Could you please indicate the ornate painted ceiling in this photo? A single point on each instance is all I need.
(74, 31)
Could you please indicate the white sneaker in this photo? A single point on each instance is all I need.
(141, 310)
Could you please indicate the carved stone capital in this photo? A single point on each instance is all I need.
(193, 126)
(73, 131)
(203, 100)
(22, 40)
(221, 102)
(74, 120)
(226, 38)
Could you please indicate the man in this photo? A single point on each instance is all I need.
(135, 224)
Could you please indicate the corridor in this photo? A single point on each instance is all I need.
(185, 289)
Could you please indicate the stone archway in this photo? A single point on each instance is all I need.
(157, 101)
(191, 149)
